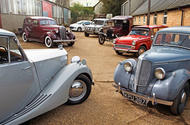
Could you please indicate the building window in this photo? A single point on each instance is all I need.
(144, 19)
(165, 18)
(139, 19)
(155, 19)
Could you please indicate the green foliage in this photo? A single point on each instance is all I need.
(112, 6)
(78, 12)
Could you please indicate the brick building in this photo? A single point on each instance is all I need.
(163, 12)
(13, 12)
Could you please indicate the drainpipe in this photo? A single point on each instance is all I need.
(148, 17)
(182, 15)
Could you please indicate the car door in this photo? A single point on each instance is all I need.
(18, 83)
(35, 29)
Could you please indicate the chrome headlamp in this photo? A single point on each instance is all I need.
(159, 73)
(134, 43)
(128, 66)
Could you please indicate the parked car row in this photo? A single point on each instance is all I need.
(161, 75)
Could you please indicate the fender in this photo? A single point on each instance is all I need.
(57, 91)
(123, 77)
(169, 88)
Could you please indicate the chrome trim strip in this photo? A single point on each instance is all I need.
(151, 99)
(126, 50)
(58, 41)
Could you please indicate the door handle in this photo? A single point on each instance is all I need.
(27, 68)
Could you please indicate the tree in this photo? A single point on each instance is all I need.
(112, 6)
(78, 11)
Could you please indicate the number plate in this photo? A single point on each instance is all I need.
(135, 99)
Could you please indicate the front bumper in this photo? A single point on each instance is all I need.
(63, 41)
(153, 99)
(126, 50)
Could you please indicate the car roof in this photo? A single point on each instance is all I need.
(152, 26)
(121, 18)
(101, 19)
(4, 32)
(40, 17)
(181, 29)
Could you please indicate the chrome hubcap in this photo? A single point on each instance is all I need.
(77, 90)
(183, 97)
(24, 36)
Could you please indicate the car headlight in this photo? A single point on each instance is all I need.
(134, 43)
(128, 66)
(160, 73)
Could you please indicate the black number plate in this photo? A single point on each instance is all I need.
(135, 99)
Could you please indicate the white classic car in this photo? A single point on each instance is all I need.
(79, 26)
(33, 82)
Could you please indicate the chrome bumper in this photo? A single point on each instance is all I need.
(153, 99)
(59, 41)
(126, 50)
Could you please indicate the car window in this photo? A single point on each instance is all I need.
(35, 22)
(3, 50)
(48, 22)
(15, 53)
(173, 39)
(138, 31)
(87, 23)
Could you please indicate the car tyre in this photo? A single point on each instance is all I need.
(24, 38)
(83, 82)
(101, 39)
(141, 50)
(79, 29)
(86, 34)
(48, 42)
(180, 101)
(118, 52)
(71, 43)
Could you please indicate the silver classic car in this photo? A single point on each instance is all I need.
(33, 82)
(160, 75)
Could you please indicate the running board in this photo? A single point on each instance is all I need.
(36, 102)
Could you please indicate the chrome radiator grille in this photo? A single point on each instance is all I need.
(143, 75)
(122, 46)
(62, 32)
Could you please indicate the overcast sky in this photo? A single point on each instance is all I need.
(85, 2)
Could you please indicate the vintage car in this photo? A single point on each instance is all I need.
(79, 26)
(138, 41)
(162, 74)
(33, 82)
(95, 27)
(46, 30)
(117, 26)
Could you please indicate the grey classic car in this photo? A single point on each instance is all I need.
(160, 75)
(94, 28)
(33, 82)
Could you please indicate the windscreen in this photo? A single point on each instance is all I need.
(139, 31)
(99, 22)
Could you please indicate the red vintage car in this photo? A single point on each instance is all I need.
(138, 41)
(46, 30)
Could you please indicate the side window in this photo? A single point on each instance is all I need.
(3, 50)
(15, 53)
(44, 22)
(87, 23)
(35, 22)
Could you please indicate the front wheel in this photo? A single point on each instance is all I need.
(79, 29)
(48, 42)
(118, 52)
(101, 39)
(86, 34)
(181, 100)
(79, 90)
(141, 50)
(71, 43)
(24, 38)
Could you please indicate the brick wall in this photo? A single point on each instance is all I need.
(173, 18)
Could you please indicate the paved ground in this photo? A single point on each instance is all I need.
(104, 106)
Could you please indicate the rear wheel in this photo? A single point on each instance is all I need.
(48, 42)
(86, 34)
(24, 38)
(101, 39)
(79, 90)
(141, 50)
(181, 100)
